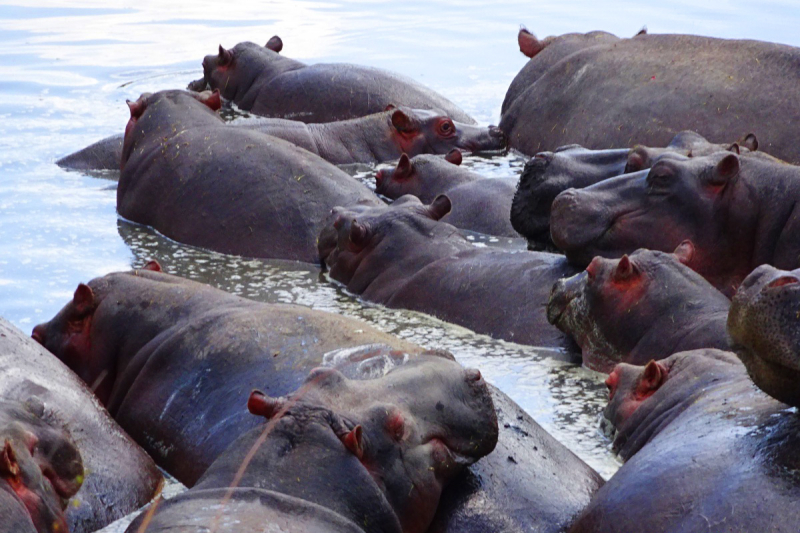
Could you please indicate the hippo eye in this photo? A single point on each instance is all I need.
(396, 426)
(446, 127)
(659, 179)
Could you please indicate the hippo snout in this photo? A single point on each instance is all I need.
(497, 133)
(564, 291)
(39, 334)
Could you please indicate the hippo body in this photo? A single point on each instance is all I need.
(647, 88)
(402, 256)
(119, 476)
(200, 182)
(260, 80)
(376, 453)
(478, 204)
(738, 211)
(765, 324)
(646, 306)
(705, 450)
(154, 344)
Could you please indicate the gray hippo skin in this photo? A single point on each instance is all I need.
(404, 257)
(705, 450)
(376, 453)
(153, 344)
(200, 182)
(548, 174)
(738, 211)
(378, 137)
(260, 80)
(765, 324)
(119, 476)
(646, 306)
(477, 203)
(648, 88)
(40, 469)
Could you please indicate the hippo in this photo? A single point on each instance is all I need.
(370, 139)
(705, 450)
(634, 309)
(548, 174)
(151, 344)
(478, 204)
(404, 257)
(374, 453)
(40, 470)
(546, 53)
(763, 323)
(200, 182)
(260, 80)
(647, 88)
(119, 477)
(738, 211)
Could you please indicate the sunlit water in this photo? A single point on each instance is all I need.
(67, 68)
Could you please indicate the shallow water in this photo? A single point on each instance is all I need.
(67, 68)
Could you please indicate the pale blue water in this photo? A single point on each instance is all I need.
(66, 69)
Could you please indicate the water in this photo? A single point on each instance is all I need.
(68, 67)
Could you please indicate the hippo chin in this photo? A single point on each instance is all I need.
(763, 322)
(260, 80)
(646, 306)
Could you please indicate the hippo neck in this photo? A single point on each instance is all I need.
(363, 139)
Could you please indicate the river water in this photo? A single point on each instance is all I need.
(67, 68)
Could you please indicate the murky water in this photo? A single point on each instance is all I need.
(67, 68)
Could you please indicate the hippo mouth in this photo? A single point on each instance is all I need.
(491, 140)
(198, 85)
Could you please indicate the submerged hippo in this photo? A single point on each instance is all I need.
(765, 324)
(646, 306)
(118, 478)
(403, 256)
(370, 139)
(198, 181)
(548, 174)
(648, 88)
(705, 451)
(260, 80)
(738, 211)
(477, 203)
(40, 470)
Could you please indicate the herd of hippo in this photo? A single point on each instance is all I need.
(668, 261)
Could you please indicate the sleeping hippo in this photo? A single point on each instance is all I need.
(765, 324)
(404, 257)
(548, 174)
(200, 182)
(738, 211)
(370, 139)
(40, 470)
(646, 306)
(118, 478)
(260, 80)
(705, 451)
(648, 88)
(477, 203)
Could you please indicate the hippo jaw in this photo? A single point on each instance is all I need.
(530, 208)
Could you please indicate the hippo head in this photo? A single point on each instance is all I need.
(410, 176)
(677, 199)
(148, 104)
(40, 467)
(629, 386)
(373, 250)
(764, 322)
(410, 431)
(689, 144)
(615, 305)
(419, 131)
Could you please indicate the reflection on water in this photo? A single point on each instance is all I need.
(68, 66)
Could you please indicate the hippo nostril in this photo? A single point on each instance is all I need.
(339, 221)
(783, 280)
(547, 157)
(473, 375)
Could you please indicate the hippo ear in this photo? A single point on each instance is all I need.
(750, 142)
(152, 265)
(389, 107)
(725, 171)
(625, 269)
(440, 206)
(404, 168)
(403, 123)
(529, 45)
(8, 462)
(685, 252)
(211, 99)
(354, 441)
(654, 375)
(136, 108)
(260, 404)
(636, 160)
(275, 44)
(643, 31)
(83, 299)
(359, 236)
(734, 148)
(225, 57)
(454, 156)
